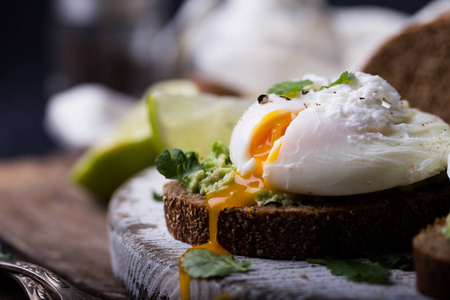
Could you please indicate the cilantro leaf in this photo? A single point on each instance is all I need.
(176, 164)
(345, 77)
(394, 261)
(204, 263)
(157, 197)
(355, 271)
(288, 88)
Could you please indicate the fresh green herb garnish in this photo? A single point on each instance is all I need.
(394, 261)
(355, 271)
(289, 88)
(157, 197)
(345, 77)
(204, 263)
(446, 228)
(212, 174)
(292, 88)
(176, 164)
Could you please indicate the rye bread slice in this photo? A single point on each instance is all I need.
(417, 63)
(432, 261)
(349, 226)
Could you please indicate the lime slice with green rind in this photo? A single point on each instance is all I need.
(118, 156)
(172, 114)
(128, 149)
(194, 122)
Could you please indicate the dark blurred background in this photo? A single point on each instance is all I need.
(27, 56)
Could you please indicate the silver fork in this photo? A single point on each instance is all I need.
(34, 278)
(33, 289)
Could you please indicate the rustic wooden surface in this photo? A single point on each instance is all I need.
(145, 258)
(47, 220)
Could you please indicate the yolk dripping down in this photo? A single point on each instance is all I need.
(240, 192)
(237, 194)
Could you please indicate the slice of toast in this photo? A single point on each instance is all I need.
(432, 261)
(344, 226)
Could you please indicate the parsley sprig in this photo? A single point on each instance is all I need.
(345, 77)
(289, 88)
(394, 261)
(178, 164)
(292, 88)
(355, 270)
(377, 272)
(204, 263)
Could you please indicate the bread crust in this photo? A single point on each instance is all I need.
(345, 226)
(431, 252)
(416, 62)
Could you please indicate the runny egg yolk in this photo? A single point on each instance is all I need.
(271, 128)
(240, 192)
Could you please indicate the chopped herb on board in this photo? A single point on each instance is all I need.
(157, 197)
(204, 263)
(394, 261)
(355, 271)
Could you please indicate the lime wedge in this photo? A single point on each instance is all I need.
(117, 156)
(194, 122)
(128, 149)
(180, 117)
(175, 87)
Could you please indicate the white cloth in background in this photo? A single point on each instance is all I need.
(78, 117)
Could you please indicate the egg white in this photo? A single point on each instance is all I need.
(348, 139)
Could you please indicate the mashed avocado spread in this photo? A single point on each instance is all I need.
(214, 173)
(217, 171)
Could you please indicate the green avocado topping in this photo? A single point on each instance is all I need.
(264, 197)
(214, 173)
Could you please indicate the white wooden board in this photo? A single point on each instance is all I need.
(145, 259)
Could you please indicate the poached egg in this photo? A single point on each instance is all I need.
(351, 138)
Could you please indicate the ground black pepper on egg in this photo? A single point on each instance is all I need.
(263, 99)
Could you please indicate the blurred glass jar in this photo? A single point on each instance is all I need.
(106, 42)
